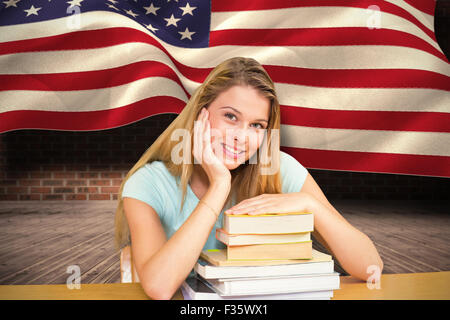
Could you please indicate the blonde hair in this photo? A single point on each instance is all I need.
(246, 181)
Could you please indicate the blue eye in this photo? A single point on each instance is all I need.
(230, 115)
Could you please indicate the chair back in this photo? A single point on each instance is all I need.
(128, 272)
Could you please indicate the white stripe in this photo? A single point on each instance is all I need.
(91, 60)
(314, 17)
(372, 99)
(423, 143)
(419, 100)
(426, 19)
(315, 57)
(90, 100)
(96, 20)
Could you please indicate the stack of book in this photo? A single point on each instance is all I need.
(266, 257)
(268, 236)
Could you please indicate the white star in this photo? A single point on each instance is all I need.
(131, 13)
(186, 34)
(11, 3)
(112, 7)
(32, 10)
(74, 3)
(151, 9)
(188, 9)
(152, 29)
(172, 21)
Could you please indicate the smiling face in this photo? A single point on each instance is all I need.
(239, 118)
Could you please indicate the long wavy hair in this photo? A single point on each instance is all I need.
(246, 180)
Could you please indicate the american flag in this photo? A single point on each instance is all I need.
(363, 85)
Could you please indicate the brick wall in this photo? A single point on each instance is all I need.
(57, 165)
(375, 186)
(60, 165)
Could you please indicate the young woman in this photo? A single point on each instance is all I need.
(169, 209)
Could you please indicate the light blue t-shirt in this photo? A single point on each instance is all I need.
(154, 185)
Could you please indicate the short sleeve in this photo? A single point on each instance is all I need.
(293, 174)
(143, 186)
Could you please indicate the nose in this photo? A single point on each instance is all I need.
(240, 134)
(239, 137)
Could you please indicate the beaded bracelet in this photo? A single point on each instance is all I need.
(214, 211)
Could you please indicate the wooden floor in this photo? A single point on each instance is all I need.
(40, 240)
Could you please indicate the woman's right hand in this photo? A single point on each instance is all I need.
(203, 153)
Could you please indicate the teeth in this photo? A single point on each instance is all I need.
(231, 150)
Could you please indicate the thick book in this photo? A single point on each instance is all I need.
(275, 251)
(218, 257)
(320, 263)
(275, 285)
(279, 223)
(194, 288)
(247, 239)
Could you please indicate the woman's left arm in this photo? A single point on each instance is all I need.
(353, 249)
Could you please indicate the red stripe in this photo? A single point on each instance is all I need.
(321, 37)
(341, 78)
(87, 80)
(363, 78)
(331, 78)
(78, 40)
(438, 166)
(249, 5)
(366, 120)
(239, 5)
(89, 120)
(298, 116)
(427, 6)
(314, 159)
